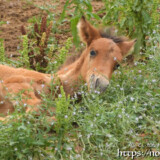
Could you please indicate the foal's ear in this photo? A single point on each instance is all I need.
(126, 46)
(87, 32)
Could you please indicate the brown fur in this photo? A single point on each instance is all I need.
(95, 70)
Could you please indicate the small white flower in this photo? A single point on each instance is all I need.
(135, 63)
(127, 115)
(154, 31)
(51, 156)
(98, 92)
(145, 81)
(1, 81)
(78, 155)
(42, 85)
(59, 95)
(153, 80)
(79, 93)
(121, 89)
(148, 94)
(66, 116)
(82, 92)
(30, 158)
(88, 136)
(74, 113)
(52, 123)
(1, 102)
(120, 116)
(116, 30)
(123, 110)
(109, 135)
(69, 148)
(107, 145)
(8, 22)
(139, 71)
(79, 135)
(39, 92)
(24, 104)
(115, 58)
(140, 127)
(75, 96)
(132, 99)
(51, 77)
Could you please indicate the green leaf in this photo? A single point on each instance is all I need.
(96, 16)
(74, 22)
(89, 6)
(122, 22)
(64, 11)
(146, 17)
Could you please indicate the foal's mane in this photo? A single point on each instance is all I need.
(108, 33)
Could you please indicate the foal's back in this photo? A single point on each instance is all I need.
(8, 72)
(14, 80)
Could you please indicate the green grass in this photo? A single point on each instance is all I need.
(125, 117)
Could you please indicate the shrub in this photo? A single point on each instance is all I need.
(137, 17)
(2, 51)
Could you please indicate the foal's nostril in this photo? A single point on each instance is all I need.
(97, 83)
(101, 84)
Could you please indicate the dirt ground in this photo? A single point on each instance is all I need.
(17, 13)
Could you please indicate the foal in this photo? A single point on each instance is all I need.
(95, 66)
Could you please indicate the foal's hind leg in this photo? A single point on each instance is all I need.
(5, 105)
(26, 92)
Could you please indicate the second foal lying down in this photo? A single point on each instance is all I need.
(95, 66)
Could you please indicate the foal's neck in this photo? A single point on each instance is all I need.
(70, 75)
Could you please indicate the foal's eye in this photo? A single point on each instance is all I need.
(92, 53)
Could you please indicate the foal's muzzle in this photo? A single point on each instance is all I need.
(98, 83)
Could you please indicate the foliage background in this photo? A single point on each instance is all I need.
(125, 117)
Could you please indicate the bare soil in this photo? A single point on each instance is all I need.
(17, 13)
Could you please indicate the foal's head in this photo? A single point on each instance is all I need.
(101, 55)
